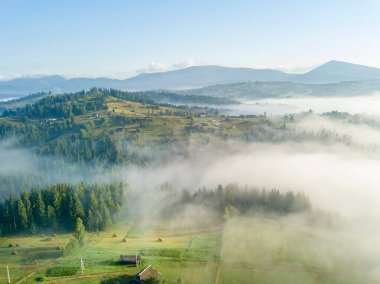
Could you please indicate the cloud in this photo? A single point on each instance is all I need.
(184, 64)
(153, 67)
(160, 67)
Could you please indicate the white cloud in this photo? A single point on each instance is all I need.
(184, 64)
(160, 67)
(153, 67)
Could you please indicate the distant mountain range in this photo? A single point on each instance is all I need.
(191, 78)
(261, 90)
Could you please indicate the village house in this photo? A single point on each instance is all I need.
(134, 259)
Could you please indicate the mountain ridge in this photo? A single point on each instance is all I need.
(193, 77)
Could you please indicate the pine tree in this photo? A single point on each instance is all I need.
(22, 216)
(28, 206)
(39, 210)
(51, 217)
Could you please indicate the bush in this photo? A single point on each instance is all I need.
(71, 246)
(10, 245)
(123, 240)
(14, 252)
(162, 252)
(40, 278)
(62, 271)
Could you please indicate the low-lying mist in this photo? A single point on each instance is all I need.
(368, 104)
(339, 174)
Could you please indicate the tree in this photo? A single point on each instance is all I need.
(40, 213)
(22, 216)
(80, 231)
(51, 217)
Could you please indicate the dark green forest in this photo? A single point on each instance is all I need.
(58, 206)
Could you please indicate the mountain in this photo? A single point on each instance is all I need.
(200, 76)
(190, 78)
(262, 90)
(338, 71)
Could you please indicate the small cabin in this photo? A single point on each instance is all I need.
(146, 274)
(133, 259)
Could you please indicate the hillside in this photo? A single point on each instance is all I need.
(262, 90)
(338, 71)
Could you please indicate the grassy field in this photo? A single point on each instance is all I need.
(243, 250)
(257, 250)
(186, 254)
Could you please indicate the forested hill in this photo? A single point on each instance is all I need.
(87, 125)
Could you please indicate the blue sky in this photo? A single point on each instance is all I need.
(119, 38)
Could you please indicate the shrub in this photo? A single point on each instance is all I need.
(40, 278)
(162, 252)
(71, 246)
(62, 271)
(123, 240)
(14, 252)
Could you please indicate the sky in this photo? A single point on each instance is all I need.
(117, 38)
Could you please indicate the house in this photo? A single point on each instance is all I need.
(144, 275)
(134, 259)
(203, 115)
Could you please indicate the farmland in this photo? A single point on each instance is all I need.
(242, 250)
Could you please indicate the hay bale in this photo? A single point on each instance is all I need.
(14, 252)
(123, 240)
(114, 236)
(159, 240)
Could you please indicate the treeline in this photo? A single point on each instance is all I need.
(59, 206)
(62, 106)
(233, 198)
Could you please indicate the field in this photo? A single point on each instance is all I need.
(242, 250)
(184, 254)
(257, 250)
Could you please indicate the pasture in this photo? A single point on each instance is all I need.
(242, 250)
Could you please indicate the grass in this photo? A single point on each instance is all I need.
(278, 251)
(33, 253)
(253, 250)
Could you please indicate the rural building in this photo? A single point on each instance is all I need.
(134, 259)
(145, 275)
(203, 115)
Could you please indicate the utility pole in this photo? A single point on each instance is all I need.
(9, 278)
(81, 265)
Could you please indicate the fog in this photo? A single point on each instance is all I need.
(340, 175)
(277, 106)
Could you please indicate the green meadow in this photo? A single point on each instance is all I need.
(241, 250)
